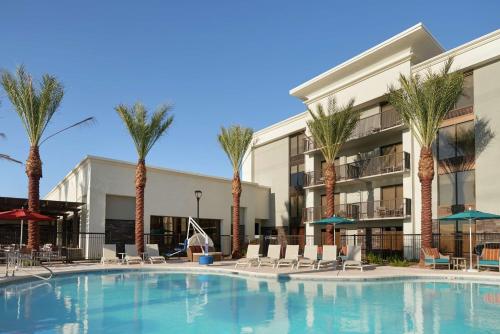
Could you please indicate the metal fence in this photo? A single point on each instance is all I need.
(90, 244)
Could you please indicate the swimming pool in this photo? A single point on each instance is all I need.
(163, 302)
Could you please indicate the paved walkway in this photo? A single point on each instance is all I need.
(227, 267)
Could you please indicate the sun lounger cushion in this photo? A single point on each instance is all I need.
(490, 254)
(437, 260)
(432, 252)
(489, 262)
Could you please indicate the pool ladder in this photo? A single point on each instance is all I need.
(15, 262)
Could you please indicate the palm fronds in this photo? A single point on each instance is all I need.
(86, 121)
(424, 101)
(235, 141)
(35, 106)
(144, 130)
(9, 158)
(333, 127)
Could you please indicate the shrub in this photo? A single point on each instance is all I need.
(374, 258)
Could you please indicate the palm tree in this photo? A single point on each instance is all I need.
(235, 141)
(145, 132)
(35, 107)
(423, 102)
(330, 130)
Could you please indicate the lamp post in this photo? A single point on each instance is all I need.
(197, 194)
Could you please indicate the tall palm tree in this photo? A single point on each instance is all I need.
(423, 102)
(145, 132)
(35, 107)
(235, 141)
(330, 130)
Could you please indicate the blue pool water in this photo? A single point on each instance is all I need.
(152, 302)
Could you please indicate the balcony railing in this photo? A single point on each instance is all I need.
(378, 165)
(394, 208)
(366, 126)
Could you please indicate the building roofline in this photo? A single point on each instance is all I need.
(279, 124)
(296, 91)
(90, 158)
(457, 51)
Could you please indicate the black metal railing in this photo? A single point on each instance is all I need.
(366, 126)
(378, 165)
(394, 208)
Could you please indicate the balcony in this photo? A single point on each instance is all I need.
(366, 126)
(379, 165)
(374, 210)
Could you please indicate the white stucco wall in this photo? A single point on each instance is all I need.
(168, 193)
(487, 108)
(270, 168)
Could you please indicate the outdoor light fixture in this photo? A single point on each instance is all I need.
(197, 194)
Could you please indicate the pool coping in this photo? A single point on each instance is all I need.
(283, 276)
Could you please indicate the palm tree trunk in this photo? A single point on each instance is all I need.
(34, 172)
(236, 191)
(140, 185)
(426, 175)
(330, 199)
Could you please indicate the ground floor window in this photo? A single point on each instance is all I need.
(168, 232)
(119, 231)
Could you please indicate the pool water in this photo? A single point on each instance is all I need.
(156, 302)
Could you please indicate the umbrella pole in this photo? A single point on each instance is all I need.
(21, 239)
(470, 243)
(334, 240)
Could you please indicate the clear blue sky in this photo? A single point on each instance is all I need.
(218, 62)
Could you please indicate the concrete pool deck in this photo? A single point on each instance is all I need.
(227, 267)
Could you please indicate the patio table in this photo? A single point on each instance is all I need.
(458, 263)
(122, 257)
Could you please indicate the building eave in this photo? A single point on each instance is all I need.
(304, 89)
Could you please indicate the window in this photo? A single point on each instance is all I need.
(446, 184)
(446, 140)
(466, 185)
(392, 196)
(456, 147)
(457, 189)
(467, 97)
(297, 176)
(297, 144)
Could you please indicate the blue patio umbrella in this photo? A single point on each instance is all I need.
(471, 216)
(334, 220)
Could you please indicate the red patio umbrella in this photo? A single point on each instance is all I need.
(22, 215)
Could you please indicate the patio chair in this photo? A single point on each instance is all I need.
(310, 258)
(109, 254)
(433, 258)
(131, 256)
(329, 257)
(490, 257)
(153, 254)
(291, 257)
(353, 259)
(273, 256)
(252, 257)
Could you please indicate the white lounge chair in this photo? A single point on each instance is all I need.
(131, 256)
(329, 257)
(291, 256)
(153, 254)
(109, 254)
(310, 258)
(273, 256)
(353, 259)
(252, 257)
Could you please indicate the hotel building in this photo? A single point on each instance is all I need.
(376, 170)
